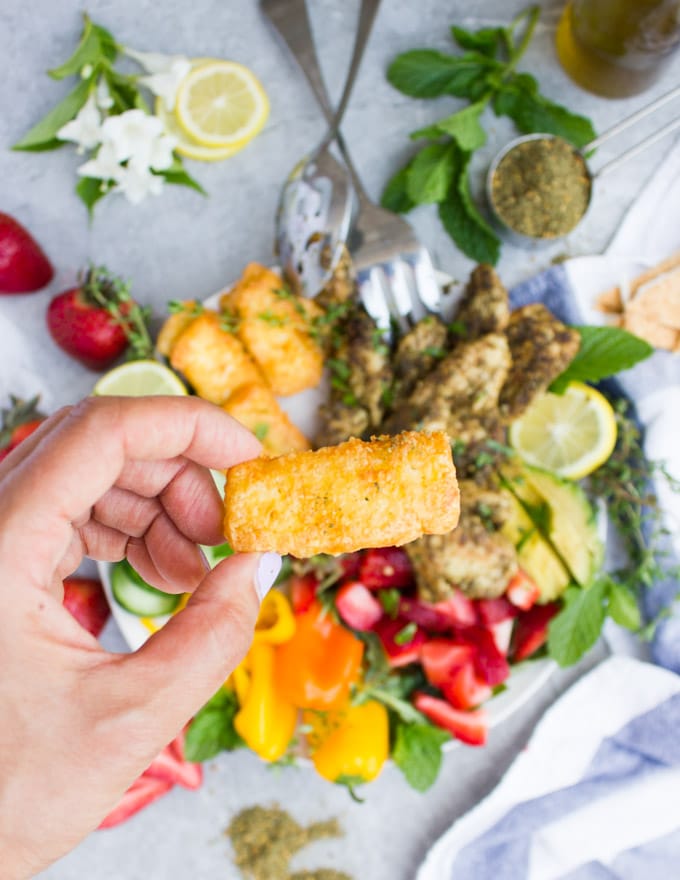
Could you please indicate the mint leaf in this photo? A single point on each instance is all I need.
(576, 628)
(96, 46)
(427, 73)
(623, 606)
(395, 196)
(212, 729)
(531, 112)
(464, 223)
(604, 351)
(485, 40)
(43, 136)
(464, 127)
(431, 173)
(418, 753)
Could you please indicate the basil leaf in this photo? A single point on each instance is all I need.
(623, 606)
(418, 753)
(464, 223)
(212, 729)
(464, 127)
(576, 628)
(431, 173)
(531, 112)
(43, 136)
(485, 40)
(96, 46)
(395, 196)
(90, 190)
(427, 73)
(603, 352)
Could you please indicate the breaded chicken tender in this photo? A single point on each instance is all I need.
(274, 325)
(338, 499)
(484, 307)
(255, 407)
(213, 359)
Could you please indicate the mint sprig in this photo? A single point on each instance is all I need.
(212, 729)
(484, 75)
(417, 753)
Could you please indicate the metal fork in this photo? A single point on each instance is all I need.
(395, 275)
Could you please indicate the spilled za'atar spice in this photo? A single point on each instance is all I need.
(265, 839)
(541, 187)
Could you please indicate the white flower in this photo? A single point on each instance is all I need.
(139, 139)
(86, 71)
(103, 95)
(136, 184)
(104, 166)
(166, 73)
(86, 129)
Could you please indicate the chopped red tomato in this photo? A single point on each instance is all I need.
(464, 689)
(385, 567)
(441, 657)
(531, 630)
(522, 590)
(402, 640)
(357, 606)
(469, 727)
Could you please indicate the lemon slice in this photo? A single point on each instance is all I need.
(570, 434)
(187, 146)
(221, 104)
(139, 379)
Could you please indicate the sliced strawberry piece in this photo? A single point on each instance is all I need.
(459, 608)
(357, 606)
(441, 657)
(531, 630)
(385, 567)
(141, 793)
(393, 634)
(302, 591)
(469, 727)
(522, 590)
(85, 599)
(495, 610)
(430, 617)
(501, 633)
(350, 564)
(167, 766)
(464, 689)
(490, 664)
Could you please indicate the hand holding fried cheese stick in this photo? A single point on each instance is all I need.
(385, 492)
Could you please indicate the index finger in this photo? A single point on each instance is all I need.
(73, 465)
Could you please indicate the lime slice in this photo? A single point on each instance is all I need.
(570, 434)
(139, 379)
(221, 104)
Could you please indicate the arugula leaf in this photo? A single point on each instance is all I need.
(623, 606)
(427, 73)
(464, 127)
(603, 352)
(43, 135)
(96, 46)
(395, 196)
(576, 628)
(485, 40)
(212, 729)
(431, 173)
(417, 753)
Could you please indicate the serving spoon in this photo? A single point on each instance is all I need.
(316, 204)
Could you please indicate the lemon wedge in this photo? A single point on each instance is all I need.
(570, 434)
(221, 104)
(140, 379)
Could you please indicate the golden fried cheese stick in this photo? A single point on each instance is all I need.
(378, 493)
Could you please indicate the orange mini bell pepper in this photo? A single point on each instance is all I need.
(315, 669)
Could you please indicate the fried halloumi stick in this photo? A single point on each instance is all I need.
(213, 359)
(337, 499)
(175, 325)
(255, 407)
(274, 325)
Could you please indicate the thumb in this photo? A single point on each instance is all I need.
(182, 665)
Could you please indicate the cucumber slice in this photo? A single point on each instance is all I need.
(136, 596)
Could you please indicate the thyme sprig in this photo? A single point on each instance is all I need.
(112, 293)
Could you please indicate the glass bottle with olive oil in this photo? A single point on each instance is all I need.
(617, 48)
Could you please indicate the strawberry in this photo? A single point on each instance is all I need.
(18, 422)
(490, 664)
(522, 591)
(141, 793)
(464, 689)
(402, 640)
(442, 657)
(96, 321)
(85, 599)
(531, 632)
(168, 767)
(385, 568)
(302, 591)
(470, 727)
(357, 606)
(23, 265)
(430, 617)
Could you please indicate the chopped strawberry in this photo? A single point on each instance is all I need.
(85, 599)
(167, 766)
(401, 639)
(522, 590)
(490, 664)
(357, 606)
(531, 630)
(302, 591)
(464, 689)
(17, 422)
(469, 727)
(501, 633)
(459, 608)
(495, 610)
(425, 615)
(141, 793)
(441, 657)
(385, 567)
(350, 563)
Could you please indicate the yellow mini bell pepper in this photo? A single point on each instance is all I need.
(357, 743)
(275, 623)
(265, 721)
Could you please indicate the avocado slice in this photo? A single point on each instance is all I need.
(561, 512)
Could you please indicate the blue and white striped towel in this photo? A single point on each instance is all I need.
(596, 794)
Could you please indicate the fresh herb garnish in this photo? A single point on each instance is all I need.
(389, 599)
(274, 320)
(212, 729)
(112, 293)
(229, 322)
(417, 752)
(405, 635)
(192, 308)
(485, 76)
(261, 430)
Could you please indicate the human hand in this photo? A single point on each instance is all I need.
(107, 478)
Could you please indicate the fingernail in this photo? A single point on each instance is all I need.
(267, 570)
